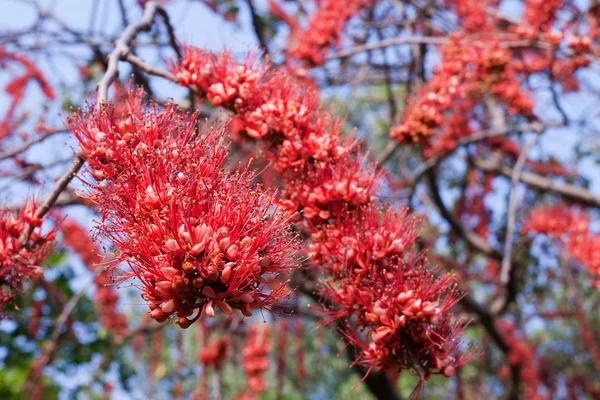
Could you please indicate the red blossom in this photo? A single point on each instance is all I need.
(305, 140)
(522, 355)
(473, 14)
(17, 86)
(197, 236)
(216, 353)
(541, 14)
(329, 181)
(23, 247)
(323, 30)
(468, 71)
(585, 249)
(556, 221)
(572, 227)
(255, 359)
(401, 307)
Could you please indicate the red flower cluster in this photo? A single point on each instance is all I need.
(447, 84)
(557, 221)
(255, 360)
(572, 227)
(540, 15)
(305, 139)
(16, 87)
(327, 179)
(324, 28)
(215, 354)
(77, 238)
(400, 306)
(521, 354)
(468, 71)
(23, 247)
(473, 14)
(585, 249)
(197, 236)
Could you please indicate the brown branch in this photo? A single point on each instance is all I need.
(566, 190)
(122, 48)
(170, 31)
(25, 146)
(138, 63)
(478, 243)
(433, 161)
(50, 350)
(387, 43)
(61, 184)
(473, 239)
(506, 265)
(259, 27)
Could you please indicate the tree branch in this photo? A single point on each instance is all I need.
(61, 184)
(138, 63)
(566, 190)
(587, 332)
(259, 27)
(25, 146)
(122, 48)
(433, 161)
(171, 32)
(387, 43)
(505, 270)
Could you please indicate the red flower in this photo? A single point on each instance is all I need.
(255, 359)
(323, 31)
(377, 278)
(17, 86)
(468, 71)
(356, 243)
(23, 247)
(572, 227)
(557, 221)
(215, 354)
(523, 355)
(195, 235)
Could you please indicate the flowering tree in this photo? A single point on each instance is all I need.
(409, 185)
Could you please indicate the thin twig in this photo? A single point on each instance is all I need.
(171, 32)
(465, 141)
(138, 63)
(52, 346)
(505, 269)
(122, 48)
(386, 43)
(25, 146)
(259, 27)
(566, 190)
(473, 239)
(61, 184)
